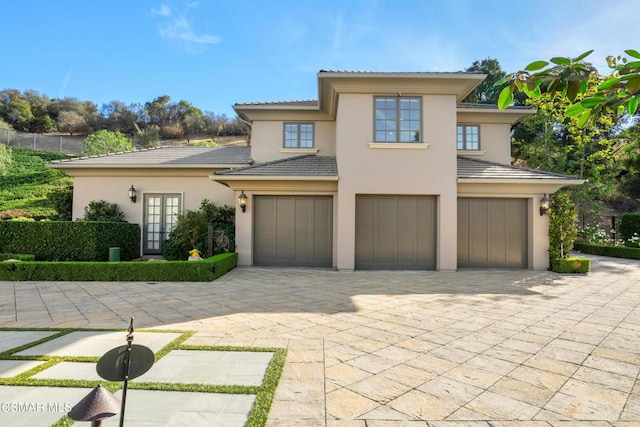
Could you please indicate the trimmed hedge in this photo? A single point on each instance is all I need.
(70, 241)
(571, 265)
(19, 257)
(143, 271)
(613, 251)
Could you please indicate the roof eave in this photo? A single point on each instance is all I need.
(224, 177)
(561, 181)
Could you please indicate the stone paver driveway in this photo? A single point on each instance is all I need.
(468, 348)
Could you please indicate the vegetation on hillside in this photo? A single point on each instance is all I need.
(146, 123)
(27, 182)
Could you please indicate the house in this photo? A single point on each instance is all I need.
(382, 171)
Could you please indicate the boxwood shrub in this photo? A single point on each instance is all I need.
(157, 271)
(613, 251)
(70, 241)
(571, 265)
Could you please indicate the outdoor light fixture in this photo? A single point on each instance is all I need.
(132, 194)
(544, 205)
(242, 201)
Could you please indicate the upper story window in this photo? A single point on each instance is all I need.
(398, 118)
(468, 137)
(298, 135)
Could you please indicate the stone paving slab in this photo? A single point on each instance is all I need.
(95, 344)
(210, 367)
(149, 408)
(182, 366)
(14, 339)
(11, 368)
(36, 406)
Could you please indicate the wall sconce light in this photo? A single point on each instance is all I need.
(132, 194)
(242, 201)
(544, 205)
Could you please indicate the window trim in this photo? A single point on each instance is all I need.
(298, 125)
(465, 146)
(397, 119)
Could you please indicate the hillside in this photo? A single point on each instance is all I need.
(24, 188)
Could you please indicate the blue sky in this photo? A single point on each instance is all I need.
(214, 53)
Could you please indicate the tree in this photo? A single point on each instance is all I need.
(486, 92)
(70, 121)
(104, 141)
(572, 76)
(562, 224)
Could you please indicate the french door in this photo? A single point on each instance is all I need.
(160, 215)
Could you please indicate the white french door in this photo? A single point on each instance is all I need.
(160, 215)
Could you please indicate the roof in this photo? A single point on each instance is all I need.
(304, 165)
(481, 169)
(399, 73)
(164, 157)
(479, 106)
(297, 103)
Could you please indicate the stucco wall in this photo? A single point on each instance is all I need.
(398, 171)
(267, 140)
(115, 190)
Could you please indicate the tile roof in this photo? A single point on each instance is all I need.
(304, 165)
(476, 105)
(297, 103)
(166, 156)
(398, 72)
(482, 169)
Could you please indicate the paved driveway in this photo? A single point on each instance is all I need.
(470, 348)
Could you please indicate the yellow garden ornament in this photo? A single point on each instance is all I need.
(194, 255)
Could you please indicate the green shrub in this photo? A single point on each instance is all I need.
(189, 233)
(70, 241)
(62, 200)
(192, 230)
(629, 225)
(613, 251)
(157, 271)
(571, 265)
(101, 210)
(562, 224)
(19, 257)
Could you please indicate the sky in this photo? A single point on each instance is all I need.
(215, 53)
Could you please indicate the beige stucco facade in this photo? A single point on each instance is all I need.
(343, 121)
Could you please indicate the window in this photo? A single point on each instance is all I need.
(468, 137)
(398, 119)
(298, 135)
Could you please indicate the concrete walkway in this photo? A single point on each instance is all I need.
(470, 348)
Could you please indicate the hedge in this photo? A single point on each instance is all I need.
(613, 251)
(70, 241)
(158, 271)
(571, 265)
(19, 257)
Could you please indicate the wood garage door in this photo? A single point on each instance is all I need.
(492, 233)
(395, 232)
(293, 231)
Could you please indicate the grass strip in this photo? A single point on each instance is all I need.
(264, 393)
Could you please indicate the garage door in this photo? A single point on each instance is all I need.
(492, 233)
(293, 231)
(396, 232)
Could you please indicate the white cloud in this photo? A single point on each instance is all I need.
(178, 28)
(163, 11)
